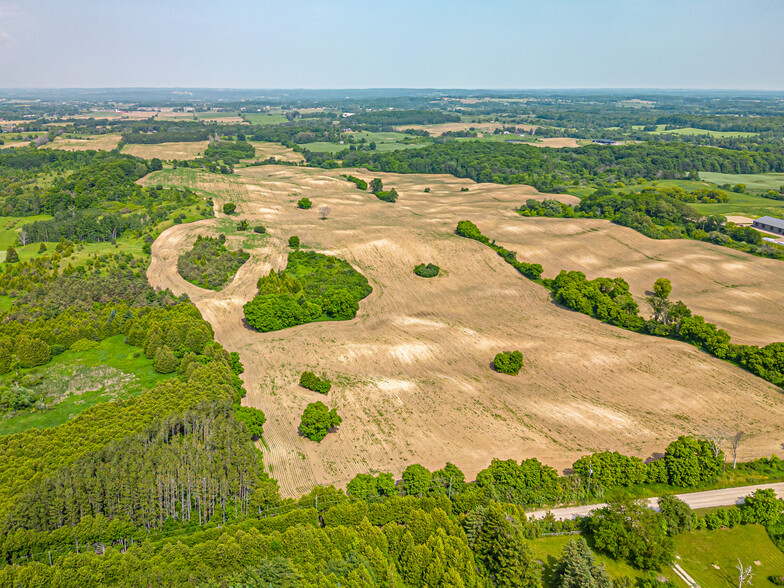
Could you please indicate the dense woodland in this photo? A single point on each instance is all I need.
(209, 264)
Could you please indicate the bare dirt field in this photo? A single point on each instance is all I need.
(266, 150)
(167, 151)
(411, 374)
(556, 142)
(440, 129)
(96, 142)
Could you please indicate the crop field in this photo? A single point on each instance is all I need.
(83, 143)
(167, 151)
(265, 150)
(411, 373)
(261, 118)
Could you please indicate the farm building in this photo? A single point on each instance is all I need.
(770, 224)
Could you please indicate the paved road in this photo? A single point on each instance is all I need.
(707, 499)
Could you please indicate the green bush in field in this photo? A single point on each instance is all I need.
(358, 182)
(304, 203)
(430, 270)
(312, 287)
(387, 196)
(259, 229)
(229, 208)
(294, 242)
(508, 362)
(311, 381)
(318, 420)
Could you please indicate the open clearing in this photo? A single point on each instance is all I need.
(96, 142)
(412, 377)
(167, 151)
(265, 150)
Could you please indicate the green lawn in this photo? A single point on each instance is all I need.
(260, 118)
(81, 380)
(744, 204)
(692, 131)
(548, 549)
(753, 182)
(384, 142)
(10, 225)
(699, 551)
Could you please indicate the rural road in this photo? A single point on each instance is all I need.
(707, 499)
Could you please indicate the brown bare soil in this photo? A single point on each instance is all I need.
(412, 377)
(96, 142)
(266, 150)
(167, 151)
(556, 142)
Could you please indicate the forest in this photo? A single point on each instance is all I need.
(312, 287)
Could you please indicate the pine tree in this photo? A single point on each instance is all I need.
(11, 256)
(577, 568)
(165, 360)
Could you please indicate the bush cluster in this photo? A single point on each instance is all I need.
(311, 381)
(209, 264)
(318, 420)
(358, 182)
(430, 270)
(304, 203)
(508, 362)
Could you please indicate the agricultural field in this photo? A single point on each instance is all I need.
(691, 131)
(753, 182)
(384, 142)
(261, 118)
(265, 150)
(84, 142)
(411, 373)
(167, 151)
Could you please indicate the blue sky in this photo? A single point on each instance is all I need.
(395, 43)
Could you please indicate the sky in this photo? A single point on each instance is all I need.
(489, 44)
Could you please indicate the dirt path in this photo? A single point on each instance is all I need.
(411, 373)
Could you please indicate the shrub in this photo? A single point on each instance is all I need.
(427, 271)
(318, 420)
(304, 203)
(311, 381)
(508, 362)
(209, 264)
(259, 229)
(464, 189)
(427, 190)
(84, 345)
(294, 242)
(776, 580)
(762, 507)
(390, 196)
(242, 225)
(360, 183)
(42, 248)
(165, 360)
(229, 208)
(32, 352)
(11, 256)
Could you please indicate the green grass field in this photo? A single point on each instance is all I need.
(383, 141)
(691, 131)
(744, 205)
(81, 380)
(260, 118)
(753, 182)
(699, 551)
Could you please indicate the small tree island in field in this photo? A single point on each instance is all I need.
(430, 270)
(508, 362)
(318, 420)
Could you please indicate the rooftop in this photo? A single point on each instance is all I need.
(771, 221)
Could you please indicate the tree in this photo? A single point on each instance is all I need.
(416, 479)
(744, 573)
(165, 360)
(376, 185)
(42, 248)
(678, 517)
(762, 507)
(229, 208)
(11, 256)
(156, 164)
(629, 530)
(294, 242)
(32, 352)
(735, 444)
(259, 229)
(324, 212)
(311, 381)
(508, 362)
(577, 568)
(690, 462)
(22, 236)
(318, 420)
(253, 418)
(662, 288)
(304, 203)
(501, 548)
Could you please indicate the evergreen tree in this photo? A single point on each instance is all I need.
(32, 352)
(165, 360)
(577, 568)
(11, 256)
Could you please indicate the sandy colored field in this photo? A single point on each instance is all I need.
(412, 377)
(556, 142)
(440, 129)
(266, 150)
(221, 119)
(167, 151)
(96, 142)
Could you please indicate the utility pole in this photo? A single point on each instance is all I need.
(590, 472)
(450, 487)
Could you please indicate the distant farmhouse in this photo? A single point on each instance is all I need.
(769, 224)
